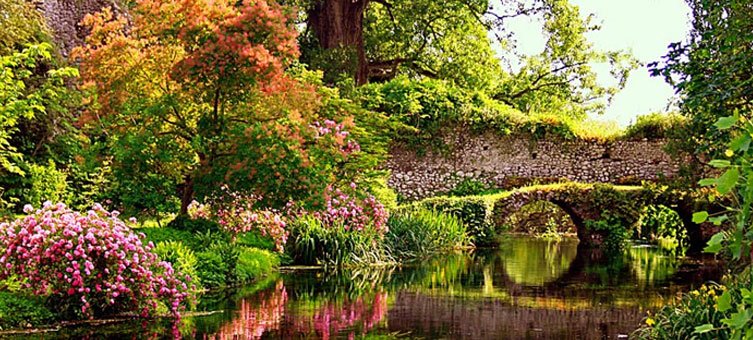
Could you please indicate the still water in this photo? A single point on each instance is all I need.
(528, 288)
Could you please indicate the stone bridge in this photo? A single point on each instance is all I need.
(582, 202)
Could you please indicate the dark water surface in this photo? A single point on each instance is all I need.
(528, 288)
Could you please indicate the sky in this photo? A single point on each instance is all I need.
(644, 27)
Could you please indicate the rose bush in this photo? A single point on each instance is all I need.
(89, 264)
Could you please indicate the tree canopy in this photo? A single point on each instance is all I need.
(195, 93)
(454, 41)
(712, 71)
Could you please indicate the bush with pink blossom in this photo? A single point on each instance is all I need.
(349, 230)
(237, 213)
(88, 264)
(352, 213)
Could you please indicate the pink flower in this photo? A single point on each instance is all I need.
(53, 256)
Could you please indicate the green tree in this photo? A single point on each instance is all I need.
(561, 79)
(27, 94)
(195, 94)
(451, 41)
(21, 24)
(712, 72)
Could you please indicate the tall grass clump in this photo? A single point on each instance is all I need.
(418, 232)
(313, 242)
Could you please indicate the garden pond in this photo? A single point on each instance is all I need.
(527, 288)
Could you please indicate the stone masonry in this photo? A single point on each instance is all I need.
(501, 161)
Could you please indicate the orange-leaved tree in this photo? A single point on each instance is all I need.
(188, 94)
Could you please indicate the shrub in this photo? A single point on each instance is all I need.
(87, 264)
(469, 186)
(44, 183)
(419, 232)
(193, 225)
(664, 226)
(352, 213)
(706, 313)
(541, 126)
(655, 125)
(384, 194)
(254, 263)
(255, 239)
(476, 213)
(237, 213)
(157, 235)
(229, 254)
(18, 310)
(314, 243)
(211, 269)
(612, 229)
(181, 257)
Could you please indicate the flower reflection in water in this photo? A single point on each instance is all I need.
(271, 313)
(255, 316)
(355, 316)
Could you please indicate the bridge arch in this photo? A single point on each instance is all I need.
(584, 202)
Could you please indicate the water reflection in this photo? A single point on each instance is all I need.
(529, 288)
(535, 262)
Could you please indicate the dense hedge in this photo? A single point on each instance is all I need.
(21, 311)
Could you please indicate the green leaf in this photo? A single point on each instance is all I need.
(727, 181)
(717, 220)
(739, 320)
(725, 122)
(704, 328)
(715, 243)
(720, 163)
(724, 302)
(741, 143)
(745, 293)
(700, 217)
(707, 182)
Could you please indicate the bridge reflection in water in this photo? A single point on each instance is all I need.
(528, 288)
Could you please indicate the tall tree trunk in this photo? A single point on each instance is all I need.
(339, 24)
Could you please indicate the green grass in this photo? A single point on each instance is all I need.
(421, 232)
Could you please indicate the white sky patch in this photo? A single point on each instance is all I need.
(645, 27)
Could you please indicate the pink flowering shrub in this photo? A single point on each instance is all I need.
(237, 213)
(352, 213)
(348, 230)
(91, 263)
(338, 134)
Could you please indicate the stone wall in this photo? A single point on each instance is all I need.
(64, 19)
(507, 161)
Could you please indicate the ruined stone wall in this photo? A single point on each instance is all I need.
(64, 18)
(507, 161)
